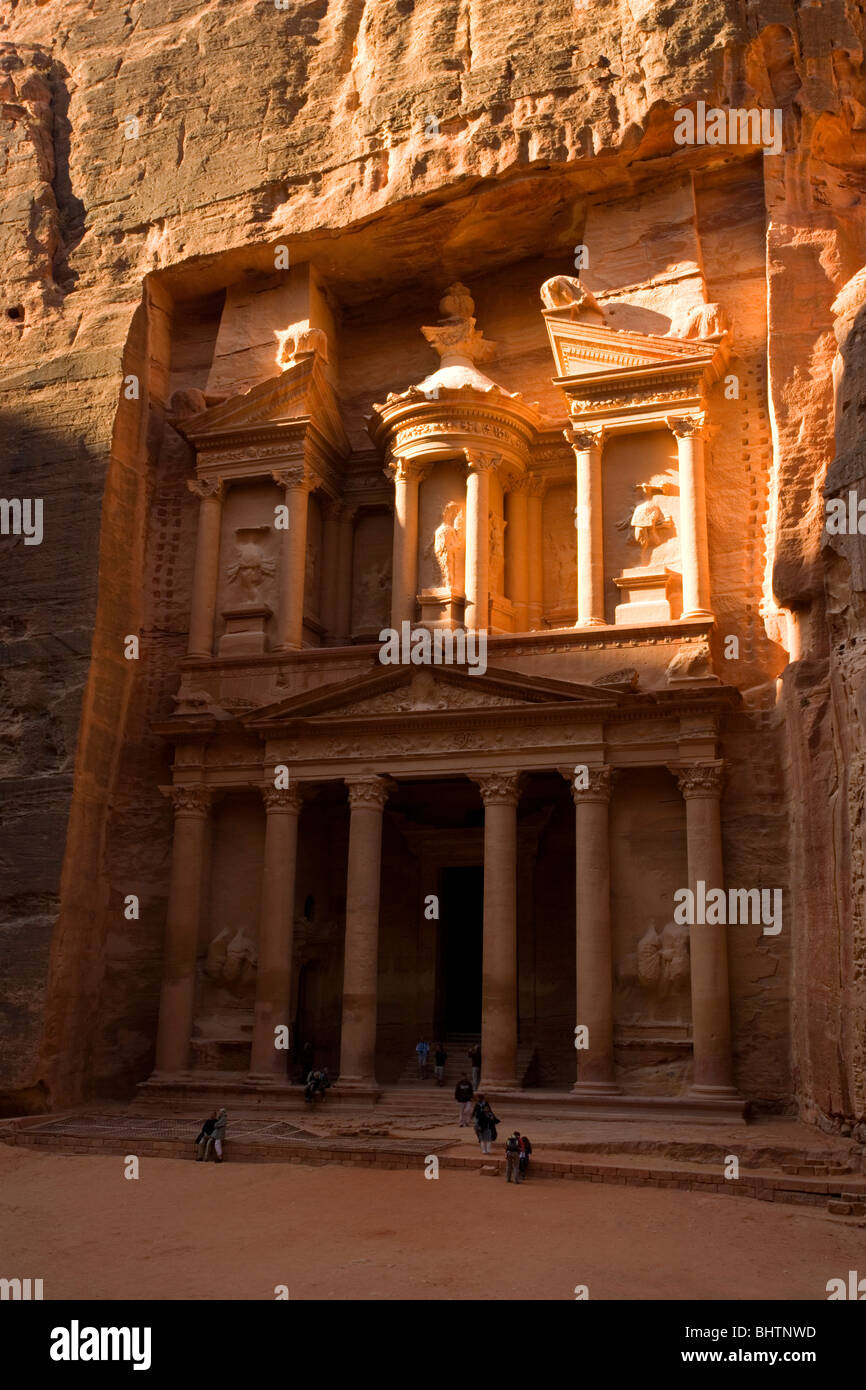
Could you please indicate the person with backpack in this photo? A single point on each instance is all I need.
(512, 1156)
(485, 1123)
(463, 1097)
(525, 1151)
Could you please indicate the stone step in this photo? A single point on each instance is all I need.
(393, 1153)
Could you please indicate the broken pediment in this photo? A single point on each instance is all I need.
(582, 349)
(412, 690)
(286, 403)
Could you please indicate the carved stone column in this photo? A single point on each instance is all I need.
(367, 797)
(694, 545)
(535, 513)
(500, 792)
(298, 482)
(330, 568)
(191, 811)
(701, 785)
(593, 937)
(274, 972)
(518, 536)
(211, 492)
(345, 558)
(587, 446)
(478, 539)
(407, 475)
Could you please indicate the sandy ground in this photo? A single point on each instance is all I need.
(190, 1231)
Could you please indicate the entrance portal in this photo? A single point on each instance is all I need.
(461, 918)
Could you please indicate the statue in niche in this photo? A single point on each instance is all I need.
(497, 551)
(660, 968)
(373, 591)
(647, 520)
(447, 544)
(675, 957)
(250, 566)
(231, 960)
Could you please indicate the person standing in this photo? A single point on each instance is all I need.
(474, 1055)
(512, 1157)
(463, 1097)
(440, 1057)
(422, 1052)
(525, 1151)
(485, 1124)
(217, 1138)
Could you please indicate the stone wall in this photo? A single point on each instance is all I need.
(438, 138)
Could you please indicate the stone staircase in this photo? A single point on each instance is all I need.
(457, 1046)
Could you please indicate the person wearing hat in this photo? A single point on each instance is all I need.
(512, 1156)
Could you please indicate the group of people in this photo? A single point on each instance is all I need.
(440, 1059)
(211, 1137)
(477, 1109)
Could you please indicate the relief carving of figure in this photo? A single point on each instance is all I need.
(647, 520)
(566, 291)
(232, 960)
(299, 338)
(448, 544)
(497, 551)
(649, 958)
(250, 566)
(373, 595)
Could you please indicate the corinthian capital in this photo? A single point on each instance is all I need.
(401, 469)
(700, 779)
(687, 426)
(191, 801)
(585, 438)
(499, 788)
(480, 461)
(371, 792)
(296, 477)
(207, 487)
(282, 798)
(588, 783)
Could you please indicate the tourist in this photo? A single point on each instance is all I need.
(474, 1055)
(219, 1134)
(485, 1124)
(440, 1057)
(463, 1096)
(422, 1052)
(525, 1151)
(317, 1083)
(207, 1129)
(512, 1157)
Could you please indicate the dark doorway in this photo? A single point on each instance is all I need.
(461, 917)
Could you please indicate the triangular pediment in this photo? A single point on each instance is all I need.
(293, 398)
(588, 349)
(423, 690)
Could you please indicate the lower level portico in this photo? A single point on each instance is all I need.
(451, 857)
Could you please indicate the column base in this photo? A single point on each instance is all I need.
(590, 622)
(698, 613)
(485, 1085)
(715, 1092)
(596, 1088)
